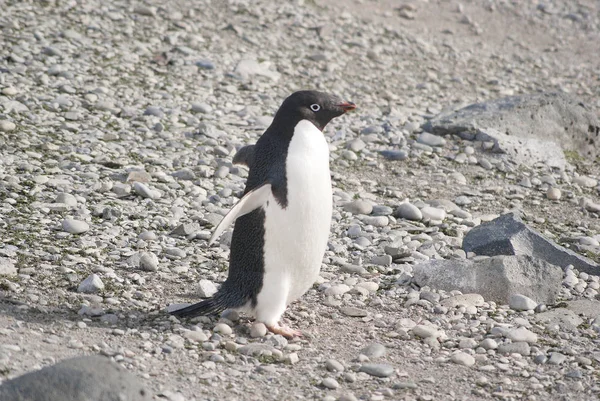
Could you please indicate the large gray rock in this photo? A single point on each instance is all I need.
(530, 128)
(496, 279)
(88, 378)
(508, 235)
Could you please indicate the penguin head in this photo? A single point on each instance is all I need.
(316, 107)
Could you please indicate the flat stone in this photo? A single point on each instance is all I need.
(496, 279)
(508, 235)
(425, 331)
(463, 300)
(374, 350)
(521, 334)
(353, 312)
(75, 226)
(92, 378)
(394, 154)
(430, 139)
(377, 369)
(556, 358)
(359, 207)
(522, 348)
(563, 318)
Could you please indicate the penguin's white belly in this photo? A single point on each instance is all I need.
(296, 236)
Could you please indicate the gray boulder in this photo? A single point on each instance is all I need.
(496, 279)
(88, 378)
(530, 128)
(508, 235)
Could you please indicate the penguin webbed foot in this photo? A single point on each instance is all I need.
(285, 331)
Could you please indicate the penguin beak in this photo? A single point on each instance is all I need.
(347, 106)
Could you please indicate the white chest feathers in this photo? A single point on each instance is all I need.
(296, 237)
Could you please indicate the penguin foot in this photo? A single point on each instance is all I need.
(284, 331)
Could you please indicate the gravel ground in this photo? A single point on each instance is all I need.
(118, 122)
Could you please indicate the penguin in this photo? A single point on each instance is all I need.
(282, 222)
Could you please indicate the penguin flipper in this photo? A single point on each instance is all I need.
(244, 156)
(252, 200)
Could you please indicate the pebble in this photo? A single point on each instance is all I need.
(520, 302)
(374, 350)
(7, 126)
(206, 288)
(353, 312)
(75, 226)
(330, 383)
(359, 207)
(433, 213)
(144, 191)
(338, 289)
(522, 348)
(258, 330)
(334, 366)
(408, 211)
(149, 262)
(425, 331)
(461, 358)
(377, 369)
(92, 284)
(223, 328)
(553, 193)
(522, 334)
(556, 358)
(431, 139)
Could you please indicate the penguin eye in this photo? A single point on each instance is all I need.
(315, 107)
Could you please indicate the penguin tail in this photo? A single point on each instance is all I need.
(209, 306)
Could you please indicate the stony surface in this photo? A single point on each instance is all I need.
(90, 378)
(125, 117)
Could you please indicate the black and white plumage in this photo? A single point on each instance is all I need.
(282, 222)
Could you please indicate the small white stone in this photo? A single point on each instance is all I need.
(520, 302)
(553, 194)
(330, 383)
(7, 126)
(461, 358)
(433, 213)
(223, 328)
(258, 330)
(425, 331)
(206, 288)
(521, 334)
(339, 289)
(91, 284)
(149, 262)
(75, 226)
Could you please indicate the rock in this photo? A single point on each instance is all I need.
(75, 226)
(496, 279)
(144, 191)
(462, 358)
(334, 366)
(67, 199)
(149, 262)
(425, 331)
(408, 211)
(589, 308)
(394, 154)
(258, 330)
(530, 128)
(521, 334)
(7, 267)
(206, 288)
(585, 181)
(377, 369)
(463, 300)
(433, 213)
(508, 235)
(374, 350)
(183, 230)
(520, 302)
(91, 284)
(522, 348)
(564, 318)
(7, 126)
(553, 193)
(556, 358)
(430, 139)
(353, 312)
(359, 207)
(223, 328)
(90, 378)
(330, 383)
